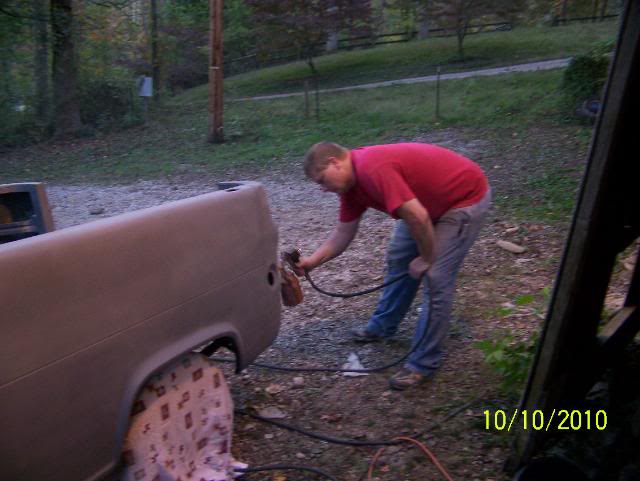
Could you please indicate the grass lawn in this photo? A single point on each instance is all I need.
(276, 133)
(266, 132)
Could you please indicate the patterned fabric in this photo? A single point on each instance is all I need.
(181, 426)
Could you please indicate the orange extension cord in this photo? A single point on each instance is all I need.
(424, 449)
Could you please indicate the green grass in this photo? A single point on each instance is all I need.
(545, 184)
(553, 193)
(267, 133)
(523, 44)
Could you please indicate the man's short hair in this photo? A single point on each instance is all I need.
(317, 157)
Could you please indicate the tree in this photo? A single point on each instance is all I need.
(237, 29)
(603, 9)
(562, 9)
(458, 14)
(11, 29)
(155, 49)
(184, 34)
(415, 14)
(72, 53)
(423, 20)
(41, 59)
(18, 96)
(305, 25)
(407, 11)
(65, 72)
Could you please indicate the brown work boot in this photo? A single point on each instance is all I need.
(362, 335)
(406, 378)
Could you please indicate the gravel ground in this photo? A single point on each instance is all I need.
(315, 332)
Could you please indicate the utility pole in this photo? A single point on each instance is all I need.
(216, 58)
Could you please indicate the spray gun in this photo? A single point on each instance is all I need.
(292, 257)
(290, 288)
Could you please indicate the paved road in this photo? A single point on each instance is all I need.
(523, 67)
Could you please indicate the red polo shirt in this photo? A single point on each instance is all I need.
(387, 176)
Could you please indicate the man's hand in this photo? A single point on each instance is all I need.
(420, 226)
(418, 267)
(305, 264)
(335, 245)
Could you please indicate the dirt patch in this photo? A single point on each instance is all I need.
(315, 333)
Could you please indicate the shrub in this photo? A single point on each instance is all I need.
(20, 127)
(586, 75)
(109, 103)
(186, 54)
(510, 359)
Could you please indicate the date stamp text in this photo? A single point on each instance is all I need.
(538, 420)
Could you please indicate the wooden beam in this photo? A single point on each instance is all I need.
(623, 326)
(633, 295)
(620, 329)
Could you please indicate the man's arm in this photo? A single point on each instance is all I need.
(335, 245)
(420, 226)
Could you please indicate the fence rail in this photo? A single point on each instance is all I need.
(369, 40)
(565, 21)
(253, 61)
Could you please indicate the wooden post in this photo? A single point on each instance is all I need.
(216, 58)
(317, 85)
(306, 99)
(438, 93)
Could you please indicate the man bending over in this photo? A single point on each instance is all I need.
(439, 199)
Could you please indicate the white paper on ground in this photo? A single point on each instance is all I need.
(237, 465)
(353, 362)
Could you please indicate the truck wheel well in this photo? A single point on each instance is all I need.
(226, 342)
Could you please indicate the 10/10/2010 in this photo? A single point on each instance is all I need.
(562, 420)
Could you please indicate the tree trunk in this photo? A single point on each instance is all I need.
(332, 41)
(312, 66)
(41, 60)
(461, 32)
(380, 17)
(155, 55)
(6, 82)
(423, 24)
(65, 76)
(603, 9)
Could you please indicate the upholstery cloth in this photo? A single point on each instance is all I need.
(181, 426)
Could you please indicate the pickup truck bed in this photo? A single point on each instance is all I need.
(88, 313)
